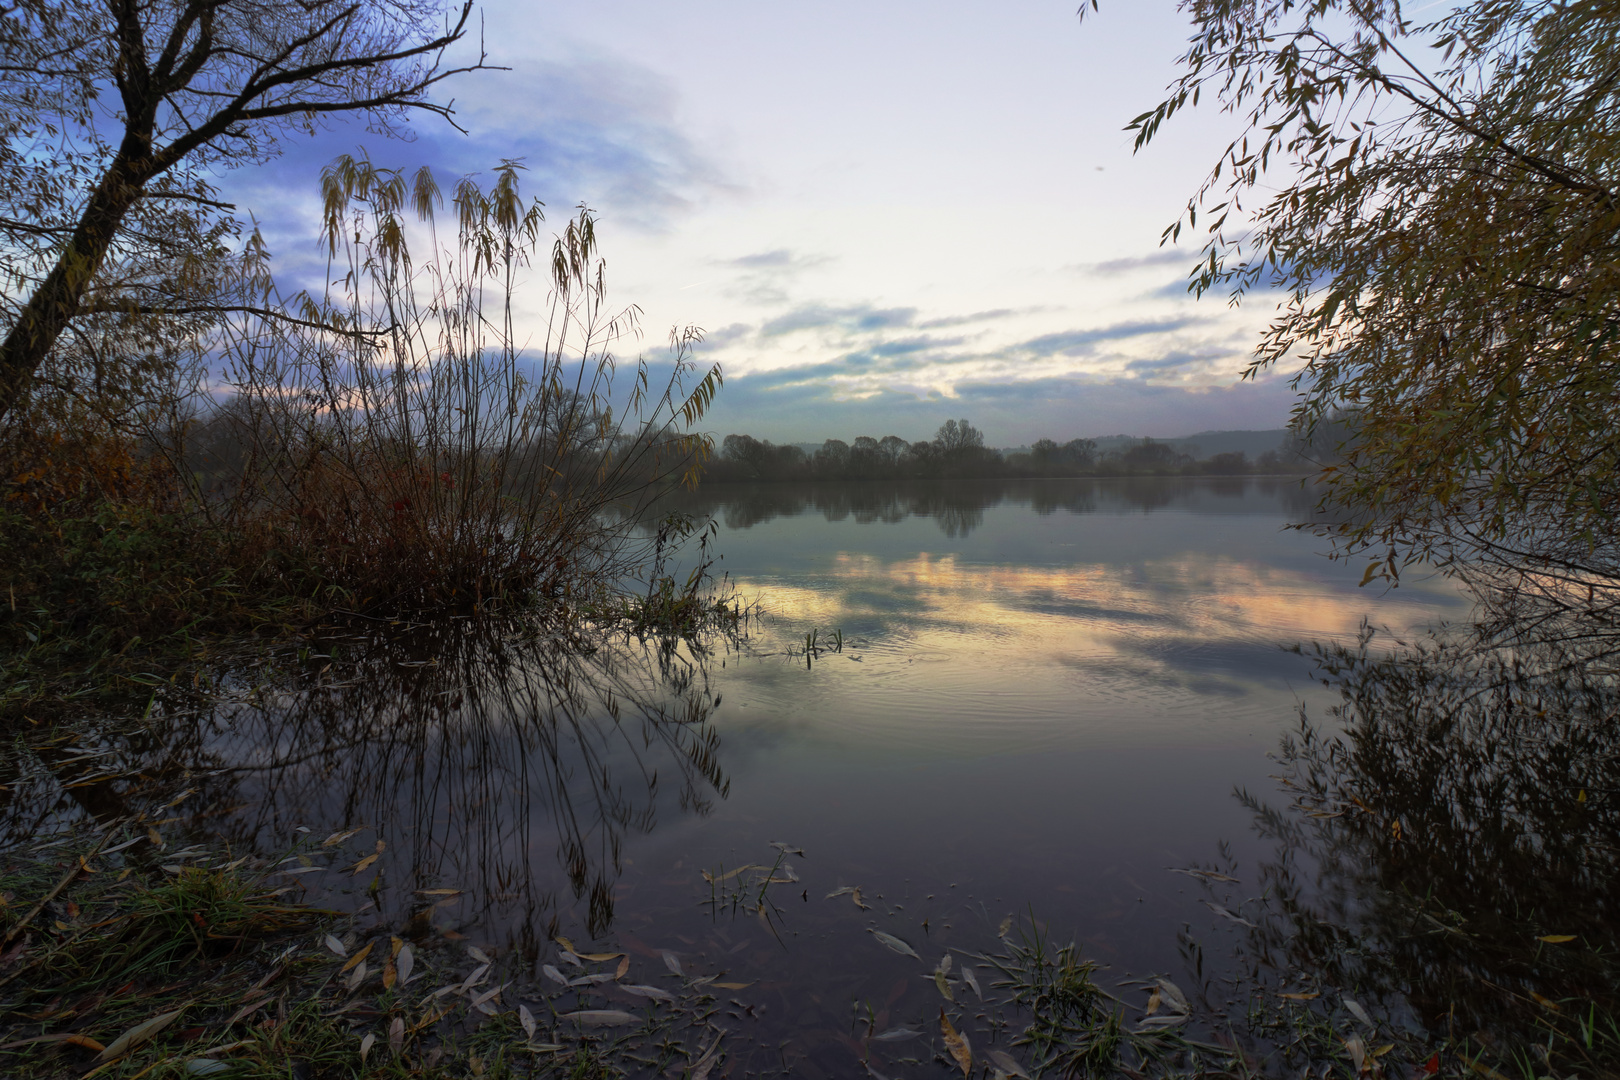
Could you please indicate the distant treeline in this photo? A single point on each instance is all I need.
(957, 451)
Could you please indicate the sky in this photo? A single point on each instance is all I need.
(882, 214)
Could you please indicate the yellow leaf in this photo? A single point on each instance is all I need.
(137, 1035)
(565, 943)
(390, 975)
(1556, 939)
(732, 985)
(956, 1042)
(624, 968)
(363, 863)
(356, 958)
(1300, 997)
(1546, 1002)
(599, 957)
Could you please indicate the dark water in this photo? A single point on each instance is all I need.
(1046, 699)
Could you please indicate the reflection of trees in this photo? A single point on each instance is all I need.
(1470, 808)
(458, 745)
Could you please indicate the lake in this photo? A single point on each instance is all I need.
(1037, 701)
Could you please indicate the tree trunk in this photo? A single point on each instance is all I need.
(57, 299)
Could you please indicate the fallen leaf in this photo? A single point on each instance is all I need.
(366, 1044)
(359, 867)
(564, 942)
(1364, 1062)
(357, 958)
(956, 1043)
(944, 987)
(600, 1017)
(1163, 1022)
(600, 957)
(550, 972)
(338, 838)
(1486, 1071)
(894, 943)
(1207, 874)
(396, 1030)
(673, 962)
(477, 976)
(390, 974)
(357, 976)
(624, 968)
(336, 946)
(896, 1035)
(650, 992)
(478, 954)
(1432, 1066)
(845, 891)
(1154, 1000)
(572, 959)
(729, 874)
(1004, 1061)
(1556, 939)
(438, 892)
(137, 1036)
(1302, 997)
(701, 1067)
(60, 1037)
(1546, 1002)
(779, 846)
(526, 1018)
(406, 961)
(1006, 925)
(1225, 914)
(944, 965)
(1172, 996)
(487, 995)
(733, 985)
(972, 980)
(855, 895)
(1359, 1013)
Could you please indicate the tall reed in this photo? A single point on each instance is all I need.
(403, 442)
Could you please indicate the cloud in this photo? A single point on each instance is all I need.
(977, 316)
(1084, 342)
(778, 260)
(1172, 362)
(1162, 257)
(855, 318)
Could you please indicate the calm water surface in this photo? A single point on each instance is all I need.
(1046, 699)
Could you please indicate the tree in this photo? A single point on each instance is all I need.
(124, 227)
(958, 440)
(1437, 204)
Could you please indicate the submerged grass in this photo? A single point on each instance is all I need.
(119, 962)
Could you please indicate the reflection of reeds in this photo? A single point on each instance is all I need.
(456, 743)
(1453, 853)
(404, 446)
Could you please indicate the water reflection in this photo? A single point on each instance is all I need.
(484, 758)
(958, 507)
(1456, 851)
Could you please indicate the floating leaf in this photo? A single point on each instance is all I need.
(855, 895)
(956, 1043)
(357, 958)
(592, 980)
(137, 1036)
(359, 867)
(972, 980)
(338, 838)
(366, 1044)
(894, 943)
(438, 892)
(944, 987)
(896, 1035)
(406, 960)
(1225, 914)
(779, 846)
(673, 962)
(1173, 996)
(1154, 1000)
(550, 972)
(526, 1018)
(478, 954)
(1312, 996)
(701, 1067)
(729, 874)
(600, 957)
(624, 968)
(1556, 939)
(845, 891)
(564, 942)
(733, 985)
(1004, 1061)
(600, 1017)
(572, 959)
(1006, 925)
(650, 992)
(944, 966)
(335, 945)
(1160, 1023)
